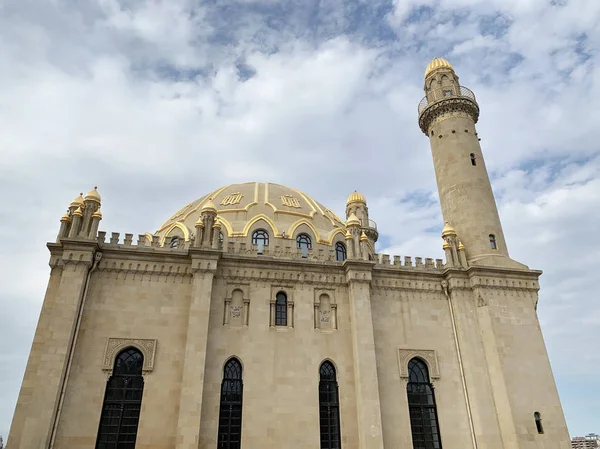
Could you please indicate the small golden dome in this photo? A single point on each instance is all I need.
(363, 237)
(437, 63)
(356, 197)
(461, 247)
(353, 220)
(217, 225)
(209, 206)
(448, 231)
(97, 214)
(199, 222)
(348, 235)
(77, 201)
(66, 217)
(78, 212)
(93, 195)
(446, 245)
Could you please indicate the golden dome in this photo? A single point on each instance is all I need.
(353, 220)
(209, 206)
(363, 237)
(275, 208)
(78, 212)
(93, 195)
(356, 197)
(448, 231)
(97, 214)
(217, 225)
(446, 245)
(77, 201)
(66, 217)
(199, 222)
(461, 247)
(348, 235)
(437, 63)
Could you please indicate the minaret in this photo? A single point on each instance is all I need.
(447, 115)
(357, 205)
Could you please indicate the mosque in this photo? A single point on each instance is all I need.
(256, 318)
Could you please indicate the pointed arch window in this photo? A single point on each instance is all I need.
(538, 422)
(281, 305)
(303, 241)
(329, 407)
(422, 408)
(122, 402)
(340, 251)
(175, 242)
(230, 410)
(493, 244)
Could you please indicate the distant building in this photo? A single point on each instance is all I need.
(591, 441)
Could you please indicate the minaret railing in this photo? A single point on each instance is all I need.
(444, 93)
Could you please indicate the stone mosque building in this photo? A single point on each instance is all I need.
(257, 318)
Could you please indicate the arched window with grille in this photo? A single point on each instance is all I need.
(281, 309)
(260, 236)
(230, 410)
(329, 407)
(340, 251)
(422, 408)
(303, 241)
(175, 242)
(122, 402)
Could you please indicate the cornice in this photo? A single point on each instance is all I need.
(448, 106)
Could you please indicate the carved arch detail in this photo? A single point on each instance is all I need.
(428, 356)
(146, 346)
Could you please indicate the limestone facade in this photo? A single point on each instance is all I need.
(200, 291)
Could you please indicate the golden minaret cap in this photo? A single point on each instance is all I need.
(78, 212)
(461, 247)
(209, 206)
(363, 237)
(353, 220)
(437, 63)
(217, 225)
(199, 222)
(97, 214)
(446, 245)
(356, 197)
(77, 201)
(348, 235)
(448, 230)
(66, 217)
(93, 195)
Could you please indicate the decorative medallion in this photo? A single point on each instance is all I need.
(232, 198)
(236, 311)
(290, 201)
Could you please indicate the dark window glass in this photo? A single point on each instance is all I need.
(281, 309)
(303, 241)
(220, 240)
(340, 251)
(538, 422)
(493, 241)
(329, 407)
(230, 410)
(422, 408)
(122, 402)
(174, 242)
(260, 236)
(473, 161)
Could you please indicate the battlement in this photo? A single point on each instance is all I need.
(396, 261)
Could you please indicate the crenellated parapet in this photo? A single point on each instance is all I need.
(420, 263)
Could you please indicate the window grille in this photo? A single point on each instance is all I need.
(340, 251)
(230, 410)
(122, 402)
(281, 309)
(422, 408)
(303, 241)
(260, 236)
(329, 407)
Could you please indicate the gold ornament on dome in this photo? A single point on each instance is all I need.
(232, 198)
(290, 201)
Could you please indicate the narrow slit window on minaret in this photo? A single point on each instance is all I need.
(473, 161)
(538, 422)
(493, 241)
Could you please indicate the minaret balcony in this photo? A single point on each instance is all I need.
(446, 99)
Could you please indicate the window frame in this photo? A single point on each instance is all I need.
(303, 238)
(422, 407)
(340, 248)
(231, 402)
(493, 242)
(264, 236)
(281, 308)
(329, 407)
(122, 401)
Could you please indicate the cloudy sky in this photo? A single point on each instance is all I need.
(160, 101)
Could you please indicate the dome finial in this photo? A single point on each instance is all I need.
(93, 195)
(437, 63)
